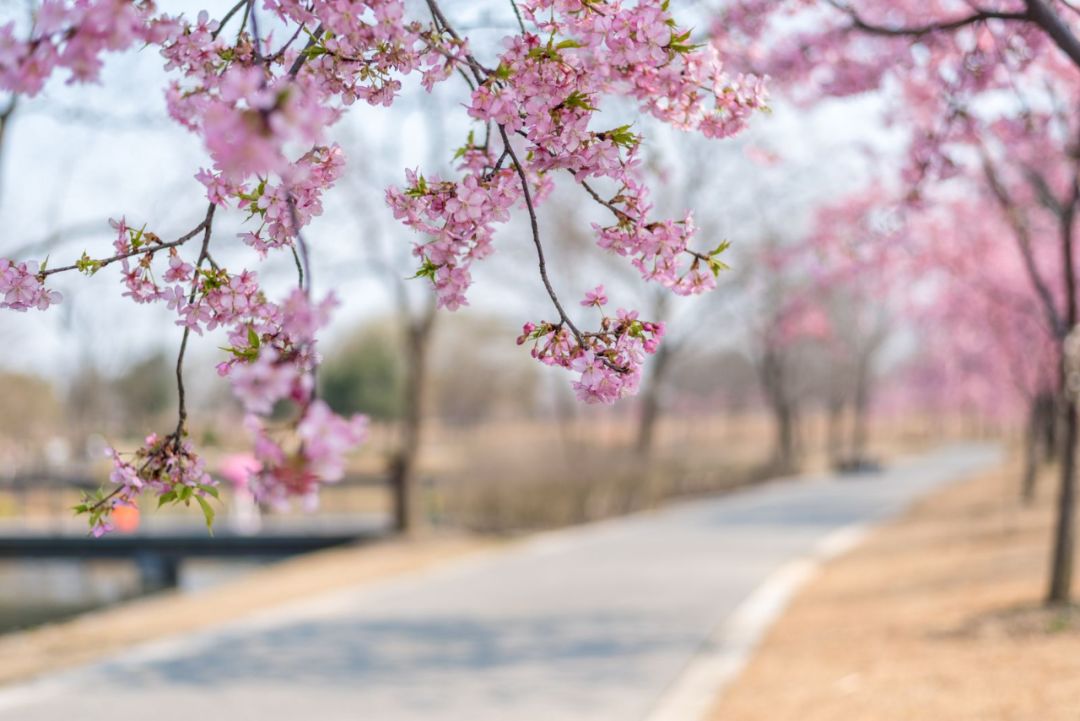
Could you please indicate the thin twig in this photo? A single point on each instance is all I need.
(181, 396)
(479, 71)
(517, 14)
(299, 267)
(228, 16)
(305, 270)
(620, 214)
(535, 226)
(302, 57)
(255, 39)
(859, 23)
(99, 264)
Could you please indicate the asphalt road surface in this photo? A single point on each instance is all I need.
(590, 624)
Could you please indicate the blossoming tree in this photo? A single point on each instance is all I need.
(262, 83)
(987, 90)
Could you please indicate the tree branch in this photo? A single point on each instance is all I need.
(1023, 241)
(536, 235)
(204, 253)
(858, 23)
(99, 264)
(1040, 13)
(228, 16)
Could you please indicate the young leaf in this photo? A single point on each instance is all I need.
(208, 513)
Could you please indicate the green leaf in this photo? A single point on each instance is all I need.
(426, 270)
(678, 43)
(724, 245)
(208, 513)
(136, 237)
(578, 99)
(622, 136)
(87, 265)
(419, 190)
(470, 143)
(716, 266)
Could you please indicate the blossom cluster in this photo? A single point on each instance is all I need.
(638, 49)
(21, 288)
(294, 464)
(660, 250)
(73, 36)
(459, 218)
(276, 366)
(548, 91)
(608, 360)
(167, 467)
(272, 356)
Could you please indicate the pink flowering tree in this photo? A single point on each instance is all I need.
(943, 271)
(851, 252)
(260, 86)
(987, 93)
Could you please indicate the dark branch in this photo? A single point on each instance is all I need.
(181, 404)
(534, 225)
(1023, 240)
(228, 16)
(858, 23)
(99, 264)
(302, 57)
(1040, 13)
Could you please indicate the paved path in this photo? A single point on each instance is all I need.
(591, 624)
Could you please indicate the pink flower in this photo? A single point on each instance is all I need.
(263, 382)
(238, 468)
(595, 297)
(22, 289)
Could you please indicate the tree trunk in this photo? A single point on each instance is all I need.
(834, 433)
(1064, 533)
(404, 484)
(1031, 452)
(860, 433)
(1050, 415)
(651, 402)
(785, 437)
(774, 385)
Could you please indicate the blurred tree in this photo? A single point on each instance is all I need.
(989, 97)
(365, 375)
(89, 405)
(145, 391)
(476, 375)
(31, 414)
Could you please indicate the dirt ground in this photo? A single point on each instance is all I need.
(92, 636)
(935, 618)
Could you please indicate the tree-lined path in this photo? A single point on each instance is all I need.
(593, 623)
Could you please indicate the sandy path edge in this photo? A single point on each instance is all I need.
(935, 616)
